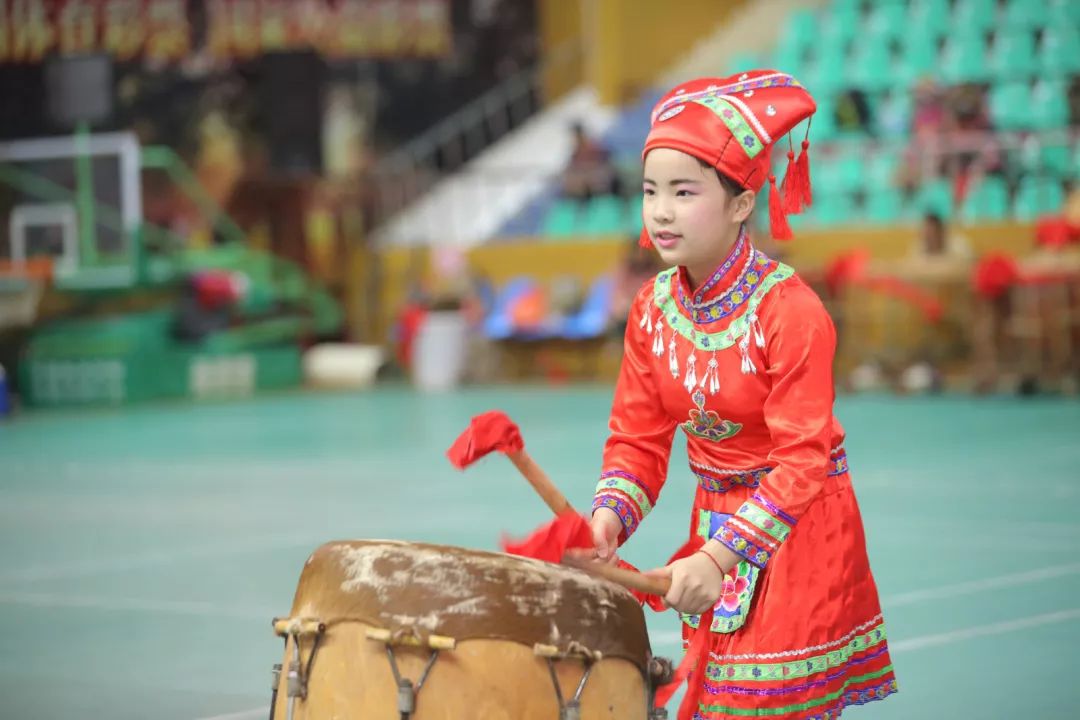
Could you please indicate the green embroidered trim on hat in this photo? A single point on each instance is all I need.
(669, 309)
(736, 123)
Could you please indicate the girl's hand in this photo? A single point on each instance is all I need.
(696, 583)
(606, 526)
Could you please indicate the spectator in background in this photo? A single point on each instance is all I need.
(937, 244)
(590, 172)
(1073, 99)
(928, 120)
(638, 266)
(972, 150)
(853, 113)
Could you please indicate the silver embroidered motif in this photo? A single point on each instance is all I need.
(658, 339)
(691, 373)
(646, 321)
(753, 329)
(673, 360)
(712, 375)
(759, 336)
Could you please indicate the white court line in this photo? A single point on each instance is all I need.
(975, 586)
(947, 638)
(151, 559)
(172, 607)
(242, 715)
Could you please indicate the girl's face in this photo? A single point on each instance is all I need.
(692, 219)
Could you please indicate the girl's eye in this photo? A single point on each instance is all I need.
(649, 191)
(683, 193)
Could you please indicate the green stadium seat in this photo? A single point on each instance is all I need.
(885, 22)
(976, 15)
(1013, 55)
(839, 174)
(918, 58)
(1053, 160)
(1049, 105)
(1038, 196)
(831, 208)
(1059, 53)
(935, 196)
(1030, 14)
(798, 36)
(986, 202)
(884, 207)
(635, 218)
(894, 117)
(605, 216)
(561, 219)
(881, 171)
(1068, 10)
(847, 10)
(823, 127)
(836, 32)
(869, 63)
(964, 59)
(825, 74)
(928, 18)
(1010, 106)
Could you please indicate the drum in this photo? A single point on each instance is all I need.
(382, 629)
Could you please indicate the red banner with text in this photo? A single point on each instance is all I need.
(164, 30)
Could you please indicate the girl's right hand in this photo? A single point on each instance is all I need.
(606, 526)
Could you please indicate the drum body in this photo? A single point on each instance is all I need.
(488, 634)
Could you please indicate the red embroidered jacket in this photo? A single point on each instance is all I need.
(744, 367)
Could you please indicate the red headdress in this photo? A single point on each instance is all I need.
(732, 124)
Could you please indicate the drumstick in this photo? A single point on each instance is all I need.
(495, 432)
(628, 579)
(540, 481)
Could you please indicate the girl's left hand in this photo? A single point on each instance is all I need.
(696, 583)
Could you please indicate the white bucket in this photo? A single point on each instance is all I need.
(438, 361)
(340, 365)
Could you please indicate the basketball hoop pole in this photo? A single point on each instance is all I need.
(84, 195)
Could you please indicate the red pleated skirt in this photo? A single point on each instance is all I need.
(812, 641)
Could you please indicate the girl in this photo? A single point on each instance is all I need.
(734, 349)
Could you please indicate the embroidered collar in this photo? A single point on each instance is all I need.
(733, 258)
(743, 272)
(768, 275)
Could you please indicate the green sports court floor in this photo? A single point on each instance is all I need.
(144, 551)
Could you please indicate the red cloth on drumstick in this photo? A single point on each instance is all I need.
(550, 541)
(489, 432)
(570, 530)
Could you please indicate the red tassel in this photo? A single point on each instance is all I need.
(644, 240)
(778, 223)
(802, 174)
(792, 197)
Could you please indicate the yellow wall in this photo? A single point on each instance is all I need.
(631, 43)
(560, 30)
(892, 243)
